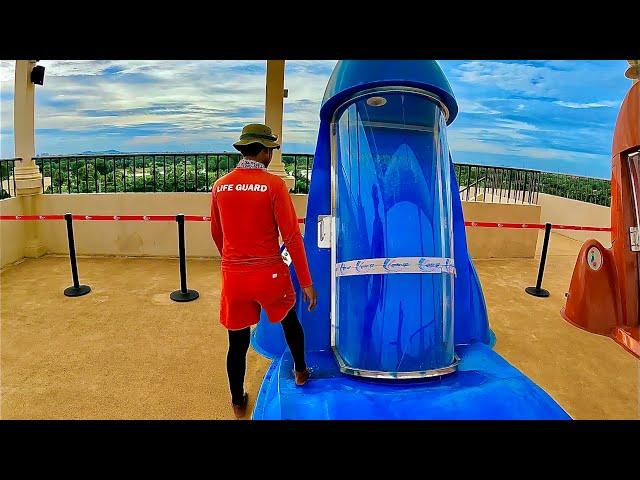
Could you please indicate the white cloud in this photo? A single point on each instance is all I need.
(7, 67)
(604, 103)
(515, 77)
(136, 105)
(471, 140)
(470, 106)
(178, 100)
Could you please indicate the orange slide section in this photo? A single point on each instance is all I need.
(604, 292)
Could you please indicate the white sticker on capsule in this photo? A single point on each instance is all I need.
(369, 266)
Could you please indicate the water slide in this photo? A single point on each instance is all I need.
(401, 329)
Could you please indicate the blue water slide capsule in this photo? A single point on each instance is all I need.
(399, 300)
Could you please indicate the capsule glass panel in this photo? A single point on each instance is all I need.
(394, 261)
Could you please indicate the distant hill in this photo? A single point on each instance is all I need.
(86, 152)
(113, 152)
(93, 152)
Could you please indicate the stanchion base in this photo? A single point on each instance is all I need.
(178, 296)
(537, 292)
(77, 292)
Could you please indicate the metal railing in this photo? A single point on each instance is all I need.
(197, 171)
(8, 177)
(152, 172)
(292, 164)
(497, 184)
(576, 187)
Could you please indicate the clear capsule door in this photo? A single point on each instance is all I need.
(393, 240)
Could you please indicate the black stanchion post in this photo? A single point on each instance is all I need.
(538, 291)
(76, 290)
(184, 294)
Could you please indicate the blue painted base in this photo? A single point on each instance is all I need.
(485, 387)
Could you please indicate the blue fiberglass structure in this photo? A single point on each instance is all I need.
(400, 330)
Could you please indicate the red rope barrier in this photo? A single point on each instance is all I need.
(204, 218)
(578, 227)
(117, 218)
(31, 217)
(539, 226)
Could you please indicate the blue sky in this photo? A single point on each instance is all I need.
(550, 115)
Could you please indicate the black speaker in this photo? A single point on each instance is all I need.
(37, 75)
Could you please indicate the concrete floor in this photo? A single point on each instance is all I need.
(126, 351)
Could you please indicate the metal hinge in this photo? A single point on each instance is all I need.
(324, 231)
(634, 233)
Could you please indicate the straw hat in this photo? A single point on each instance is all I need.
(257, 133)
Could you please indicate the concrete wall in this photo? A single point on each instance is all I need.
(573, 212)
(12, 233)
(132, 238)
(160, 238)
(504, 242)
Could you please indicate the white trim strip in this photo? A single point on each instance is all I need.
(372, 266)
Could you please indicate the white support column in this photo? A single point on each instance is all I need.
(27, 175)
(274, 106)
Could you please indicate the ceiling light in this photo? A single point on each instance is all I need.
(376, 101)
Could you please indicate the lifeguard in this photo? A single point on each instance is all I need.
(249, 208)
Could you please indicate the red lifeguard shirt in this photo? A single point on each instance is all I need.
(248, 207)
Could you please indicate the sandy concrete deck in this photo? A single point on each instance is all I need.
(126, 351)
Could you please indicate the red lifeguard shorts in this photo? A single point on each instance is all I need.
(245, 292)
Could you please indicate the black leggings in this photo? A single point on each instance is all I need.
(239, 344)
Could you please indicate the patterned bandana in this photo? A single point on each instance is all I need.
(246, 163)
